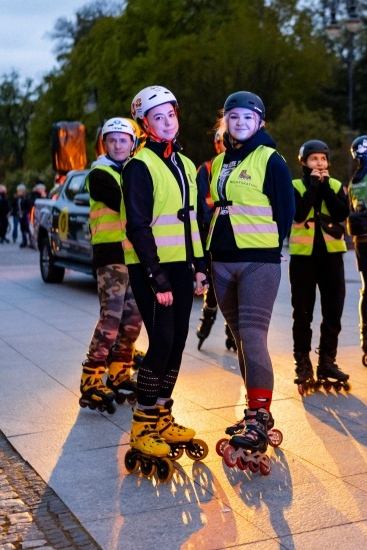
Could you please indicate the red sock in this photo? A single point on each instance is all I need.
(259, 398)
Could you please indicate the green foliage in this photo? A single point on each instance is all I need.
(202, 50)
(296, 124)
(16, 109)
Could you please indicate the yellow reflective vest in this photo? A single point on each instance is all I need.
(106, 225)
(302, 234)
(249, 209)
(167, 228)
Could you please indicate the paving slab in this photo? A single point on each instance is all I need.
(315, 495)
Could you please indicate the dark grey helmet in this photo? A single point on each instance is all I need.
(247, 100)
(313, 146)
(359, 148)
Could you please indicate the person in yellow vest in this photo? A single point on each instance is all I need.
(119, 324)
(252, 191)
(357, 228)
(163, 244)
(316, 247)
(210, 305)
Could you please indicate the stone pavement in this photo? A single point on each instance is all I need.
(71, 461)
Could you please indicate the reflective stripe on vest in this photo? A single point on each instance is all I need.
(302, 234)
(106, 225)
(168, 230)
(249, 211)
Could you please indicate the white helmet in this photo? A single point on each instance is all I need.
(2, 189)
(120, 125)
(148, 98)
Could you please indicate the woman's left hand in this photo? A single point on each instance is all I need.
(201, 283)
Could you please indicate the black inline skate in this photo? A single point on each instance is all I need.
(230, 341)
(148, 451)
(95, 395)
(207, 321)
(304, 372)
(121, 383)
(363, 340)
(247, 450)
(326, 369)
(275, 437)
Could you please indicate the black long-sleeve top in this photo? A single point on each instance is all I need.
(104, 188)
(316, 192)
(277, 187)
(139, 202)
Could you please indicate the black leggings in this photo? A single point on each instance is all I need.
(325, 271)
(167, 329)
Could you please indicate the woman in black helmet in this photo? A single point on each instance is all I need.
(252, 192)
(316, 246)
(357, 227)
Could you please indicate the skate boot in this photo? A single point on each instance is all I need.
(247, 450)
(326, 369)
(304, 372)
(95, 394)
(178, 437)
(207, 321)
(121, 383)
(148, 451)
(363, 340)
(275, 437)
(230, 341)
(138, 357)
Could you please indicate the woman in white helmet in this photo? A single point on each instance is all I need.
(119, 324)
(163, 244)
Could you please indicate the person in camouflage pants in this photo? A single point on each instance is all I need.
(119, 324)
(115, 335)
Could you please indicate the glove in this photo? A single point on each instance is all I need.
(158, 281)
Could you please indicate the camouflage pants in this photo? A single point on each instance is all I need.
(120, 322)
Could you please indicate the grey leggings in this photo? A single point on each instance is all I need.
(246, 293)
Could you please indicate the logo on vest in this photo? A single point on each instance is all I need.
(244, 175)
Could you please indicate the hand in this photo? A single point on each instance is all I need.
(316, 173)
(201, 283)
(324, 177)
(164, 298)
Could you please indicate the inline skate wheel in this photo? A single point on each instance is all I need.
(265, 469)
(364, 359)
(147, 467)
(242, 464)
(176, 452)
(229, 456)
(221, 445)
(197, 449)
(165, 470)
(82, 403)
(120, 398)
(347, 386)
(131, 399)
(131, 462)
(200, 343)
(327, 386)
(301, 389)
(275, 437)
(338, 387)
(253, 467)
(111, 408)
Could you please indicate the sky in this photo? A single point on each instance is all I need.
(24, 25)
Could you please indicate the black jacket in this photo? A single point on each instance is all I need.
(277, 187)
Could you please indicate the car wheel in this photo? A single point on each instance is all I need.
(50, 273)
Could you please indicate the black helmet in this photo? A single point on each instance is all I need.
(359, 148)
(247, 100)
(313, 146)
